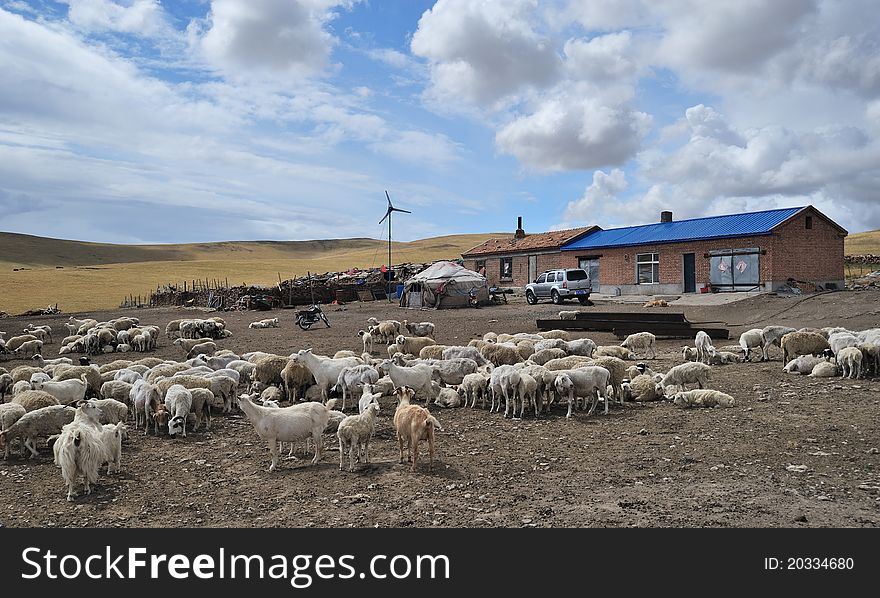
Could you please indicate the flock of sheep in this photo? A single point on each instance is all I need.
(84, 410)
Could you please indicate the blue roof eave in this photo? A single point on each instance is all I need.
(668, 242)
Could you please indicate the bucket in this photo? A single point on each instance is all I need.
(704, 289)
(399, 292)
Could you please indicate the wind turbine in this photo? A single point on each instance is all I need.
(391, 208)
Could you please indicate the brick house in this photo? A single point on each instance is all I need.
(752, 251)
(517, 260)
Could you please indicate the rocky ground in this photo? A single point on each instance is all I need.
(793, 452)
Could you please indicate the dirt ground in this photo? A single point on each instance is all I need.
(648, 465)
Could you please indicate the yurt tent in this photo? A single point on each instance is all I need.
(442, 285)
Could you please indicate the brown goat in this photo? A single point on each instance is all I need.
(413, 424)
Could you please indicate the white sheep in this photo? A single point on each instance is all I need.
(773, 336)
(417, 377)
(447, 397)
(352, 378)
(178, 403)
(825, 369)
(842, 340)
(267, 323)
(527, 393)
(588, 382)
(324, 370)
(850, 361)
(724, 358)
(80, 450)
(29, 348)
(643, 388)
(112, 436)
(368, 396)
(582, 346)
(38, 359)
(504, 382)
(420, 328)
(703, 398)
(687, 373)
(33, 425)
(803, 364)
(474, 386)
(703, 343)
(464, 353)
(641, 341)
(367, 339)
(39, 377)
(689, 353)
(66, 391)
(290, 424)
(752, 339)
(112, 411)
(9, 414)
(615, 351)
(355, 432)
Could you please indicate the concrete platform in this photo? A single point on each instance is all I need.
(674, 300)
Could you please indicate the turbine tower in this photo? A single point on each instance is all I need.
(390, 209)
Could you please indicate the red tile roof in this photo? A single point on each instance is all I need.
(551, 240)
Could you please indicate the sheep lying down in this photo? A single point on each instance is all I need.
(703, 397)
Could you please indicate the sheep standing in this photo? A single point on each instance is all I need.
(474, 386)
(178, 402)
(367, 339)
(353, 378)
(641, 341)
(291, 424)
(687, 373)
(419, 328)
(587, 382)
(324, 370)
(9, 414)
(752, 339)
(499, 354)
(80, 450)
(355, 432)
(850, 361)
(802, 343)
(413, 424)
(705, 350)
(36, 424)
(773, 336)
(504, 381)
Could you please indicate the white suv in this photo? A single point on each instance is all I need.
(559, 285)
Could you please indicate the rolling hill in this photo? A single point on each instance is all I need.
(862, 243)
(80, 276)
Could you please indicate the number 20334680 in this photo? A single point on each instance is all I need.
(808, 563)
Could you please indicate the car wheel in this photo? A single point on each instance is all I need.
(555, 298)
(530, 298)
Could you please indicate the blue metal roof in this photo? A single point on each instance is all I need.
(713, 227)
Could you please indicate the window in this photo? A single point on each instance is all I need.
(576, 274)
(542, 279)
(648, 268)
(551, 277)
(809, 222)
(506, 268)
(480, 266)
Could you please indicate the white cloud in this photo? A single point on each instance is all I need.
(481, 52)
(568, 132)
(435, 150)
(266, 38)
(140, 17)
(601, 193)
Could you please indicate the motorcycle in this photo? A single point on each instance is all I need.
(306, 317)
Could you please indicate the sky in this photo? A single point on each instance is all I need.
(140, 121)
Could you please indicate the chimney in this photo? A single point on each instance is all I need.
(665, 216)
(520, 233)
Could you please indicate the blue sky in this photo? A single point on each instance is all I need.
(140, 121)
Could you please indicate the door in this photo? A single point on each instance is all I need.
(690, 273)
(591, 266)
(533, 267)
(544, 289)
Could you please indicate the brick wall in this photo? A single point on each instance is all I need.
(814, 254)
(545, 261)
